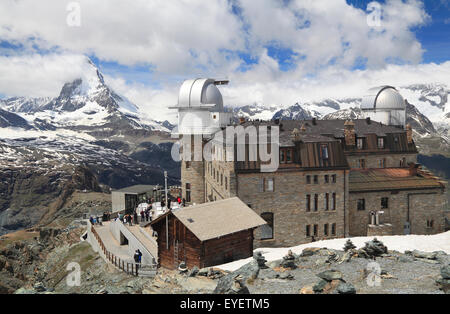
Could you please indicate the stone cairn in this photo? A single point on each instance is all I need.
(289, 261)
(260, 260)
(349, 246)
(373, 249)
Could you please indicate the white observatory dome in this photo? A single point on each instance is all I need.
(384, 97)
(200, 93)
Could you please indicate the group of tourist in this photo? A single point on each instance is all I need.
(95, 220)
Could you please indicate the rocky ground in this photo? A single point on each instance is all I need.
(37, 263)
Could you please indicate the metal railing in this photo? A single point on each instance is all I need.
(129, 268)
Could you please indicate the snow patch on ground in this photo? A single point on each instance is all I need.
(426, 243)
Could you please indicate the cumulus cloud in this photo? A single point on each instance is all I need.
(324, 41)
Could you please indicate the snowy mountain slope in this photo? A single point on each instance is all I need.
(84, 103)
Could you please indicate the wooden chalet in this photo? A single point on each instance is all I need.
(207, 234)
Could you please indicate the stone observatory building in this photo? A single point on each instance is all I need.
(336, 178)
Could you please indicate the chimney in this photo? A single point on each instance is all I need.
(303, 128)
(349, 133)
(409, 133)
(295, 135)
(241, 120)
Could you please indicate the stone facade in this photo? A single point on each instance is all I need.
(376, 160)
(424, 205)
(287, 203)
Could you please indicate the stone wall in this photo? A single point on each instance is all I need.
(193, 174)
(288, 204)
(423, 205)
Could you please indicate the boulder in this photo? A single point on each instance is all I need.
(424, 255)
(39, 287)
(203, 272)
(310, 251)
(193, 272)
(346, 288)
(227, 284)
(445, 272)
(232, 285)
(320, 285)
(330, 275)
(307, 290)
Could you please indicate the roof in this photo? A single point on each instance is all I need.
(217, 219)
(138, 189)
(389, 179)
(383, 97)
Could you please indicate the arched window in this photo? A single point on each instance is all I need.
(267, 230)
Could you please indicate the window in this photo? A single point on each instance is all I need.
(188, 164)
(270, 185)
(327, 199)
(267, 230)
(384, 202)
(315, 230)
(316, 202)
(308, 230)
(333, 229)
(282, 156)
(361, 204)
(382, 163)
(289, 155)
(333, 202)
(429, 223)
(262, 182)
(333, 178)
(380, 142)
(308, 179)
(316, 179)
(326, 178)
(188, 192)
(214, 174)
(286, 155)
(360, 143)
(221, 179)
(325, 229)
(324, 149)
(403, 162)
(226, 183)
(362, 163)
(308, 203)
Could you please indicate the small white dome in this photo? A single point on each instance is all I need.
(200, 93)
(384, 97)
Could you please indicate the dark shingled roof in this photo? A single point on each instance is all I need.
(362, 180)
(138, 189)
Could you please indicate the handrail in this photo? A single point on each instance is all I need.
(142, 244)
(117, 261)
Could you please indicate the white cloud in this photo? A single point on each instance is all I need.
(182, 39)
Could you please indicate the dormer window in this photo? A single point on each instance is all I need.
(324, 149)
(286, 155)
(380, 143)
(360, 143)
